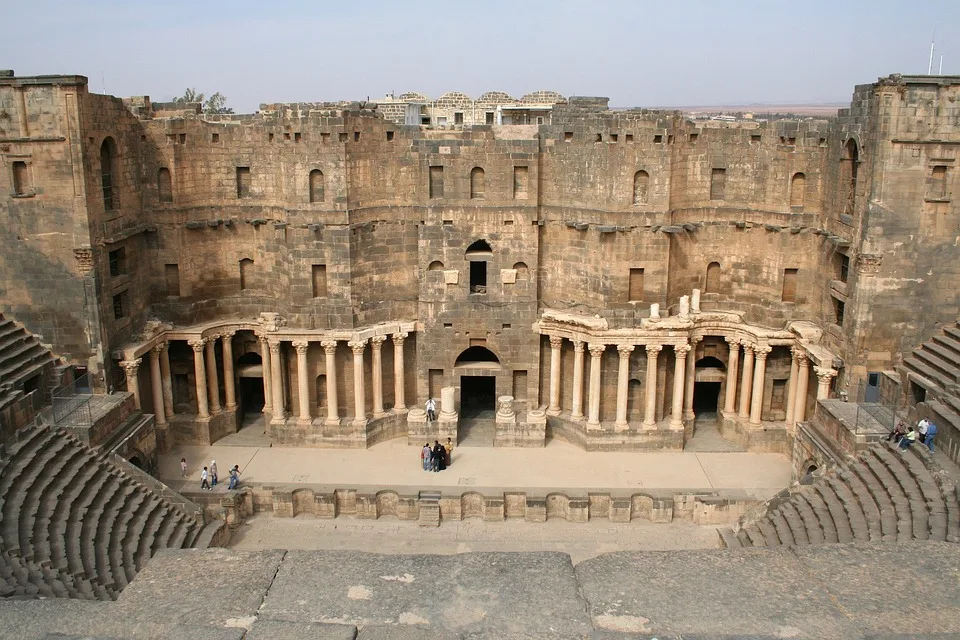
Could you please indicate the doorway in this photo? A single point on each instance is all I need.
(251, 395)
(706, 397)
(478, 397)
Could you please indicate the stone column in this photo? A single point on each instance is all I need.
(359, 392)
(679, 366)
(576, 412)
(330, 350)
(792, 385)
(303, 382)
(746, 378)
(555, 343)
(824, 374)
(376, 344)
(759, 369)
(213, 382)
(267, 366)
(803, 379)
(650, 387)
(733, 359)
(200, 373)
(229, 382)
(130, 368)
(593, 417)
(399, 403)
(691, 379)
(623, 382)
(156, 386)
(166, 379)
(276, 383)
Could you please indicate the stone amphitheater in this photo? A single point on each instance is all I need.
(550, 269)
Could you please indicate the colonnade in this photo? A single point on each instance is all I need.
(207, 381)
(748, 373)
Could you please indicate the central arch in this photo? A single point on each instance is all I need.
(478, 357)
(478, 369)
(710, 375)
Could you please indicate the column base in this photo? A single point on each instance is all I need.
(305, 422)
(332, 422)
(594, 426)
(621, 426)
(651, 426)
(360, 421)
(689, 415)
(232, 407)
(379, 414)
(279, 419)
(577, 418)
(553, 412)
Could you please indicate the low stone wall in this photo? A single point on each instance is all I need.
(18, 413)
(607, 439)
(767, 437)
(290, 501)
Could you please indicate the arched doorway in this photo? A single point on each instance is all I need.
(250, 373)
(710, 374)
(478, 367)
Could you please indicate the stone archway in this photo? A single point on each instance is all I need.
(710, 375)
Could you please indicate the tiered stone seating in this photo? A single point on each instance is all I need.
(73, 525)
(21, 356)
(883, 495)
(935, 366)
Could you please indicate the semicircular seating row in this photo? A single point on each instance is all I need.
(883, 495)
(75, 526)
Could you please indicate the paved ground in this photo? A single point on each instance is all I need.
(389, 535)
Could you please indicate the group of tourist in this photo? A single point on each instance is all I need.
(438, 457)
(209, 477)
(904, 436)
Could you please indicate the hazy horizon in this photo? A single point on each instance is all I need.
(639, 54)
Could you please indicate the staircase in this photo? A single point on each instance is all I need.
(21, 358)
(935, 367)
(884, 495)
(429, 509)
(72, 525)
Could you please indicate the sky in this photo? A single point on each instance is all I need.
(637, 53)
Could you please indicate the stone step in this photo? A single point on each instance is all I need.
(145, 542)
(945, 341)
(769, 532)
(901, 504)
(952, 331)
(810, 521)
(131, 541)
(207, 534)
(938, 359)
(838, 514)
(17, 518)
(856, 519)
(51, 509)
(867, 501)
(824, 517)
(797, 528)
(14, 345)
(88, 529)
(729, 539)
(28, 354)
(744, 539)
(78, 508)
(918, 505)
(756, 535)
(166, 529)
(927, 373)
(180, 534)
(952, 504)
(784, 533)
(932, 495)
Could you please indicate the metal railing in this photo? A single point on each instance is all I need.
(71, 403)
(871, 402)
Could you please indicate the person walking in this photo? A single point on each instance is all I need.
(183, 467)
(425, 456)
(205, 479)
(931, 433)
(234, 477)
(431, 410)
(449, 449)
(213, 473)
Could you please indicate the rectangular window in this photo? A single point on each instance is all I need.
(390, 135)
(635, 292)
(938, 183)
(478, 276)
(319, 280)
(434, 383)
(436, 182)
(789, 285)
(838, 311)
(520, 385)
(843, 267)
(520, 181)
(118, 262)
(718, 183)
(458, 118)
(120, 305)
(489, 117)
(171, 274)
(778, 395)
(21, 181)
(243, 182)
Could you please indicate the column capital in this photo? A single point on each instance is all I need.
(802, 358)
(733, 341)
(377, 341)
(399, 337)
(762, 352)
(694, 340)
(329, 346)
(556, 342)
(228, 334)
(824, 374)
(653, 350)
(274, 347)
(130, 366)
(159, 348)
(625, 349)
(301, 346)
(197, 344)
(747, 347)
(681, 351)
(357, 346)
(596, 350)
(578, 346)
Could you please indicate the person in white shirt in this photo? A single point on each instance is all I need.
(204, 479)
(431, 410)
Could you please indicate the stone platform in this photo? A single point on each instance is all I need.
(840, 591)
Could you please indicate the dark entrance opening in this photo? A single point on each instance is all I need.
(706, 396)
(478, 397)
(251, 395)
(135, 461)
